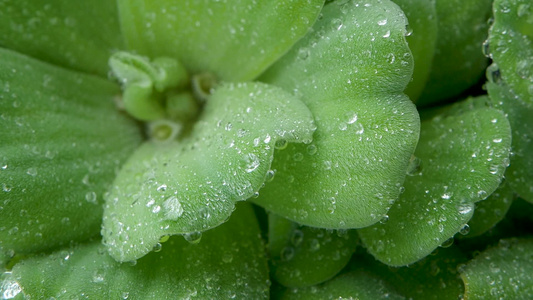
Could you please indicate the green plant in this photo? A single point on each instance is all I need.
(247, 149)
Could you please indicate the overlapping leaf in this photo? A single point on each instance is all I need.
(303, 256)
(502, 272)
(511, 84)
(352, 285)
(191, 185)
(80, 35)
(422, 38)
(228, 263)
(463, 156)
(458, 62)
(350, 71)
(509, 43)
(435, 277)
(235, 42)
(62, 141)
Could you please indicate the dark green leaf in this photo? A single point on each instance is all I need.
(502, 272)
(458, 62)
(228, 263)
(422, 17)
(62, 142)
(509, 43)
(463, 156)
(303, 256)
(352, 285)
(80, 35)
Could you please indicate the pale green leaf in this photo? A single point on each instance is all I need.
(80, 35)
(235, 40)
(191, 185)
(62, 141)
(350, 71)
(228, 263)
(463, 155)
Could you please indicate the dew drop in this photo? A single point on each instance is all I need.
(415, 166)
(91, 197)
(297, 237)
(270, 175)
(465, 230)
(157, 247)
(162, 188)
(173, 208)
(287, 253)
(193, 237)
(9, 288)
(384, 219)
(156, 209)
(448, 243)
(31, 172)
(281, 144)
(314, 245)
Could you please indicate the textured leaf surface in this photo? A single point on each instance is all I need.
(192, 185)
(80, 35)
(62, 141)
(520, 172)
(235, 42)
(458, 62)
(228, 263)
(422, 17)
(502, 272)
(435, 277)
(490, 211)
(510, 40)
(350, 71)
(463, 157)
(303, 256)
(352, 285)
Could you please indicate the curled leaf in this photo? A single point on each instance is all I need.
(191, 185)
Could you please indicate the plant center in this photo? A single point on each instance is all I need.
(160, 93)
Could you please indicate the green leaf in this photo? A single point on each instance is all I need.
(422, 17)
(350, 71)
(509, 43)
(80, 35)
(235, 42)
(352, 285)
(463, 156)
(490, 211)
(502, 272)
(520, 172)
(435, 277)
(228, 263)
(191, 185)
(458, 62)
(62, 141)
(303, 256)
